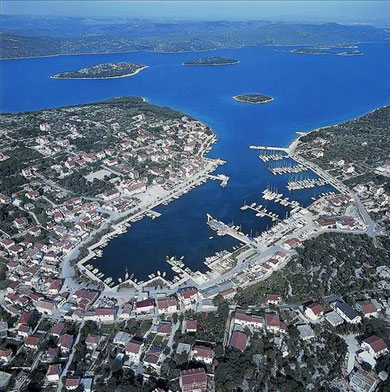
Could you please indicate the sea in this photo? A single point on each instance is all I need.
(309, 91)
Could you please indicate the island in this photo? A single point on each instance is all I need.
(212, 60)
(320, 51)
(102, 71)
(253, 98)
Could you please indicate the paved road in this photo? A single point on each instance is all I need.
(65, 371)
(367, 219)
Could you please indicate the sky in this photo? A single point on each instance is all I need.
(352, 11)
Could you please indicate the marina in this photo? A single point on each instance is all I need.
(286, 169)
(260, 211)
(295, 184)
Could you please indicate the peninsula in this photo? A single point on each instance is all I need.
(102, 71)
(212, 60)
(253, 98)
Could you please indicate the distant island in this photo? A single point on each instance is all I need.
(102, 71)
(212, 60)
(319, 51)
(253, 98)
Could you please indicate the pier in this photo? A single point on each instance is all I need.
(295, 185)
(286, 169)
(278, 198)
(220, 177)
(260, 211)
(267, 148)
(222, 229)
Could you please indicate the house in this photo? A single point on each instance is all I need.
(238, 340)
(24, 330)
(125, 312)
(53, 373)
(46, 307)
(203, 354)
(193, 380)
(5, 355)
(72, 383)
(92, 341)
(65, 342)
(362, 381)
(273, 323)
(32, 342)
(145, 306)
(105, 314)
(57, 330)
(191, 326)
(306, 332)
(375, 346)
(52, 354)
(291, 243)
(333, 318)
(188, 295)
(347, 313)
(273, 299)
(24, 318)
(228, 293)
(152, 358)
(133, 350)
(314, 311)
(247, 320)
(122, 338)
(367, 308)
(167, 305)
(164, 328)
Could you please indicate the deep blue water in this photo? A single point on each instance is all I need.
(309, 91)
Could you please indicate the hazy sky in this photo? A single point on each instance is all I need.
(338, 11)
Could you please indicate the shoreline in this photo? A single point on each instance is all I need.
(212, 65)
(126, 217)
(236, 98)
(107, 78)
(294, 144)
(179, 52)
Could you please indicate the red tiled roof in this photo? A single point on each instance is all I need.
(316, 308)
(376, 343)
(58, 328)
(72, 382)
(193, 377)
(92, 339)
(273, 297)
(202, 351)
(238, 340)
(368, 308)
(272, 320)
(192, 324)
(145, 303)
(32, 341)
(66, 341)
(104, 312)
(134, 346)
(164, 303)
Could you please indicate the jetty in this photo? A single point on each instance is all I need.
(288, 168)
(220, 177)
(295, 185)
(260, 211)
(222, 229)
(268, 194)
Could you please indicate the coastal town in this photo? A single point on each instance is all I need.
(78, 176)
